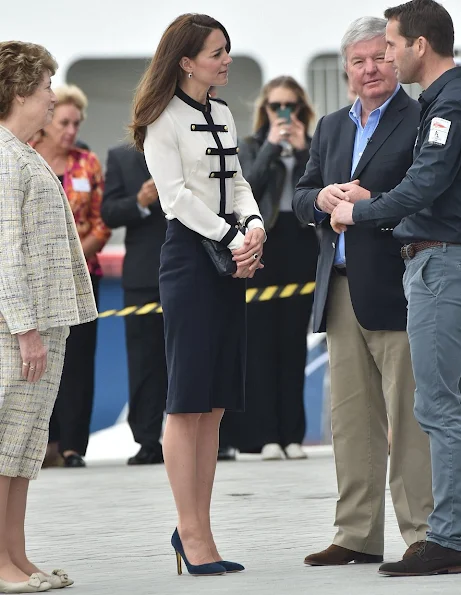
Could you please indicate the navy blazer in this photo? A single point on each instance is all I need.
(125, 174)
(374, 265)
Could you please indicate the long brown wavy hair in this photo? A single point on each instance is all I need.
(305, 113)
(185, 37)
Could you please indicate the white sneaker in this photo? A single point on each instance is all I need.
(295, 451)
(272, 452)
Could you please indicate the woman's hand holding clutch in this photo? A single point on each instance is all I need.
(248, 257)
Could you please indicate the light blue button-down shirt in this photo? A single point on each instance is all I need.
(362, 138)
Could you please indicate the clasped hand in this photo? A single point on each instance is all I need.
(338, 200)
(248, 256)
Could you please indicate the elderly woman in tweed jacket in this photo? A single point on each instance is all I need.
(44, 289)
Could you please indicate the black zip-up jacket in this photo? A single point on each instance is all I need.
(428, 200)
(265, 172)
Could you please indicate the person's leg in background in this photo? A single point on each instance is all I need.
(292, 345)
(53, 457)
(292, 324)
(257, 428)
(227, 437)
(145, 345)
(74, 403)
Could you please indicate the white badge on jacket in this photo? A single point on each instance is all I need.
(438, 133)
(81, 184)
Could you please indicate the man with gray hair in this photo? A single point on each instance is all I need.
(359, 302)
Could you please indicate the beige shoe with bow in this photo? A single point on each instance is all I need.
(34, 585)
(58, 579)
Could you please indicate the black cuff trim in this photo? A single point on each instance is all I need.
(223, 174)
(230, 235)
(209, 128)
(218, 151)
(251, 217)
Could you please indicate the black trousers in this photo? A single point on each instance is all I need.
(145, 346)
(70, 421)
(277, 349)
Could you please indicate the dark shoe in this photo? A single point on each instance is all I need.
(197, 570)
(429, 558)
(231, 566)
(74, 460)
(336, 555)
(146, 456)
(414, 547)
(226, 453)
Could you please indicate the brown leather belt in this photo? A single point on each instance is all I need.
(341, 270)
(409, 251)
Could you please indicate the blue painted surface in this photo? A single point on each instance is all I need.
(111, 385)
(313, 398)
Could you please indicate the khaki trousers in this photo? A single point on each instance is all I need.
(371, 379)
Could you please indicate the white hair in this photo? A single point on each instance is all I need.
(362, 29)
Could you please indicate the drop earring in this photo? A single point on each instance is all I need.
(190, 75)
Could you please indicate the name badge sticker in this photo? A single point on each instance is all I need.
(81, 184)
(438, 133)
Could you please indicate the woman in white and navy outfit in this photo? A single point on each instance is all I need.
(190, 148)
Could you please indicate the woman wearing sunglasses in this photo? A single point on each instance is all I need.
(273, 159)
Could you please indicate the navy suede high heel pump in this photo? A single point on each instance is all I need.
(231, 566)
(197, 570)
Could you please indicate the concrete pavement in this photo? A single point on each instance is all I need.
(109, 526)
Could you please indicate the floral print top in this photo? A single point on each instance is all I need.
(83, 184)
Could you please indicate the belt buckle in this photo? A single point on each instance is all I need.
(408, 252)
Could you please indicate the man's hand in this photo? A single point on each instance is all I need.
(148, 193)
(34, 355)
(355, 192)
(341, 217)
(329, 197)
(248, 257)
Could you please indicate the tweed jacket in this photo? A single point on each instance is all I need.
(44, 279)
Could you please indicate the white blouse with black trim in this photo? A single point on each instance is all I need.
(191, 153)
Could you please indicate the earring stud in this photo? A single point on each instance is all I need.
(190, 75)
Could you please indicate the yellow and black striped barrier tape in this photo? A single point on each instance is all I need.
(253, 294)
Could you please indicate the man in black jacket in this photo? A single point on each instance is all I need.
(131, 200)
(359, 301)
(420, 39)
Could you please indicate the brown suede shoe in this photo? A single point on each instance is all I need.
(336, 555)
(429, 558)
(414, 547)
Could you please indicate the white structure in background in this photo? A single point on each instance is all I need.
(102, 45)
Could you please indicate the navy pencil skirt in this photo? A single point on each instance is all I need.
(205, 327)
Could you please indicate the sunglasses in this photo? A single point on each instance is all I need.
(276, 106)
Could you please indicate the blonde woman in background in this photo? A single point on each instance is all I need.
(273, 159)
(81, 176)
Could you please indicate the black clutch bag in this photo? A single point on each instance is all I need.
(220, 256)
